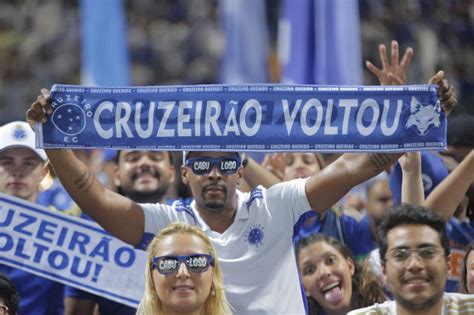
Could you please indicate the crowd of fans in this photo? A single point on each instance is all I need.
(181, 42)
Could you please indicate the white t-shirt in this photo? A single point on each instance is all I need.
(256, 252)
(454, 303)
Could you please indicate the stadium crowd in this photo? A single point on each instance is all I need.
(338, 239)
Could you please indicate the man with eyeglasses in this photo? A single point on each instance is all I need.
(414, 250)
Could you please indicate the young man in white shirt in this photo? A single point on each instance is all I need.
(414, 250)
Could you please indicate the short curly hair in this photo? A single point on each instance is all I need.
(405, 214)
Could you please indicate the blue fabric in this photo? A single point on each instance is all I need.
(106, 306)
(433, 171)
(460, 234)
(319, 42)
(105, 58)
(337, 46)
(244, 24)
(311, 223)
(265, 117)
(357, 236)
(56, 196)
(38, 295)
(296, 41)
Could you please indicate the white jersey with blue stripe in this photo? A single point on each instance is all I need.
(256, 252)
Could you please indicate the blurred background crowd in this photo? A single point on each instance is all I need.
(182, 42)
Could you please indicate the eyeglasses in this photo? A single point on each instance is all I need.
(197, 263)
(402, 255)
(4, 310)
(203, 165)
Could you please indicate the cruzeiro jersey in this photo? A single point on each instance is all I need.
(256, 252)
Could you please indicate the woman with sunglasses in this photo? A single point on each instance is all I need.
(183, 274)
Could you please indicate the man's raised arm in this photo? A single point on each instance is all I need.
(324, 189)
(120, 216)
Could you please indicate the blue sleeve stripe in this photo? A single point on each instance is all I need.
(145, 241)
(182, 208)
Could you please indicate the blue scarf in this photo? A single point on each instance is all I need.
(261, 117)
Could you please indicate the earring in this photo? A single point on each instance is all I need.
(213, 292)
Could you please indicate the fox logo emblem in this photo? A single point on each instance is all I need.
(423, 118)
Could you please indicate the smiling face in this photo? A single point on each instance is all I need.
(416, 282)
(184, 291)
(144, 176)
(21, 172)
(213, 192)
(327, 276)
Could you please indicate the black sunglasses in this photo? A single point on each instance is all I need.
(227, 165)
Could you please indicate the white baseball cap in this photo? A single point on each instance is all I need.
(18, 134)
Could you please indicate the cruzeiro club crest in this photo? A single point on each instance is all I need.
(423, 118)
(255, 235)
(69, 119)
(19, 133)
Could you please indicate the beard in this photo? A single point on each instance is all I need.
(152, 196)
(414, 306)
(145, 196)
(215, 204)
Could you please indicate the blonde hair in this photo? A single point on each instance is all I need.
(215, 304)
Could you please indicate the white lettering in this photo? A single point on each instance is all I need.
(366, 104)
(168, 107)
(316, 104)
(211, 119)
(328, 129)
(290, 118)
(197, 119)
(232, 125)
(388, 131)
(144, 133)
(347, 105)
(255, 105)
(121, 121)
(184, 118)
(103, 133)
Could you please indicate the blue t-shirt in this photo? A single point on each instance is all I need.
(38, 295)
(106, 306)
(357, 236)
(56, 196)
